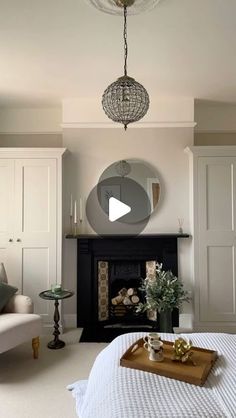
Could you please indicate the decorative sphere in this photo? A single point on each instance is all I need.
(125, 101)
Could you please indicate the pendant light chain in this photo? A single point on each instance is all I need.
(125, 100)
(125, 41)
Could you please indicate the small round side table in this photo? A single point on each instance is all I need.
(49, 295)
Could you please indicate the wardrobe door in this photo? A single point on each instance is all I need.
(36, 228)
(217, 238)
(6, 213)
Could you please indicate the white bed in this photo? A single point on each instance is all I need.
(118, 392)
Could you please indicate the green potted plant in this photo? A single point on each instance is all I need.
(162, 294)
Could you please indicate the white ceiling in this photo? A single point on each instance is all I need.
(50, 50)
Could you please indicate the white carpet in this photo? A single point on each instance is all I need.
(37, 388)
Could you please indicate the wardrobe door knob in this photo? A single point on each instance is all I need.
(10, 240)
(18, 240)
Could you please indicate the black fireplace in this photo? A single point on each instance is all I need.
(111, 265)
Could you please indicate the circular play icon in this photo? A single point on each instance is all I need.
(117, 209)
(118, 206)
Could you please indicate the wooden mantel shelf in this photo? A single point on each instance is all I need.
(94, 236)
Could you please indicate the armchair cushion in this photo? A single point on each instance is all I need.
(19, 304)
(17, 328)
(6, 292)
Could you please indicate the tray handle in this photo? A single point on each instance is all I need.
(133, 348)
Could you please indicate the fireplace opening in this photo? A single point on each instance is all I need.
(124, 291)
(119, 292)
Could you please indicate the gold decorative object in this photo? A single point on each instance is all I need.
(182, 351)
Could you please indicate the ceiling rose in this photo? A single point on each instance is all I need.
(134, 6)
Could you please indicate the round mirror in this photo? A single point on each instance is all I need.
(141, 173)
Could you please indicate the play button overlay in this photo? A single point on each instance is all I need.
(117, 209)
(118, 206)
(121, 203)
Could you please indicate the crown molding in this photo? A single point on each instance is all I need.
(21, 152)
(108, 125)
(209, 150)
(42, 132)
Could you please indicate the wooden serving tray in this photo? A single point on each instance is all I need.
(136, 357)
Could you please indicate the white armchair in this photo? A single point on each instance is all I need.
(18, 324)
(19, 304)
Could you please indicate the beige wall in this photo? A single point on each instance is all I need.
(31, 140)
(30, 119)
(217, 138)
(214, 116)
(92, 150)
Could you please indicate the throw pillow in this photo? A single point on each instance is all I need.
(3, 274)
(6, 292)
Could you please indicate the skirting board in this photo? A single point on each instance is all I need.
(185, 324)
(69, 321)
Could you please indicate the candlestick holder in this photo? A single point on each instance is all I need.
(75, 229)
(80, 226)
(180, 222)
(71, 225)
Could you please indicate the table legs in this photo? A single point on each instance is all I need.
(56, 343)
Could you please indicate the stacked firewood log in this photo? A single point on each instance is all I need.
(127, 297)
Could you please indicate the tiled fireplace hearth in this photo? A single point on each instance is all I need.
(109, 267)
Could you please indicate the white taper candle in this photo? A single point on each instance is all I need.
(75, 212)
(71, 205)
(80, 210)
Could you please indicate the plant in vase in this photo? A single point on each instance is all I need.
(163, 293)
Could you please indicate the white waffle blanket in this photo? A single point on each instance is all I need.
(118, 392)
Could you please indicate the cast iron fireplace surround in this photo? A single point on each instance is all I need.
(91, 249)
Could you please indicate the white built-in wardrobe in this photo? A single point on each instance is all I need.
(213, 174)
(31, 220)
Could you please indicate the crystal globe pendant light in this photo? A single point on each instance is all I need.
(125, 101)
(135, 7)
(123, 168)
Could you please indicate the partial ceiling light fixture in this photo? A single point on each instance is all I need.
(125, 101)
(110, 6)
(123, 168)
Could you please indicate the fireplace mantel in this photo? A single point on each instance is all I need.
(91, 249)
(141, 236)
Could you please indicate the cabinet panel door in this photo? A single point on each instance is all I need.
(35, 197)
(6, 212)
(217, 238)
(35, 228)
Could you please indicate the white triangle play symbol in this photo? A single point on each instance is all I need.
(117, 209)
